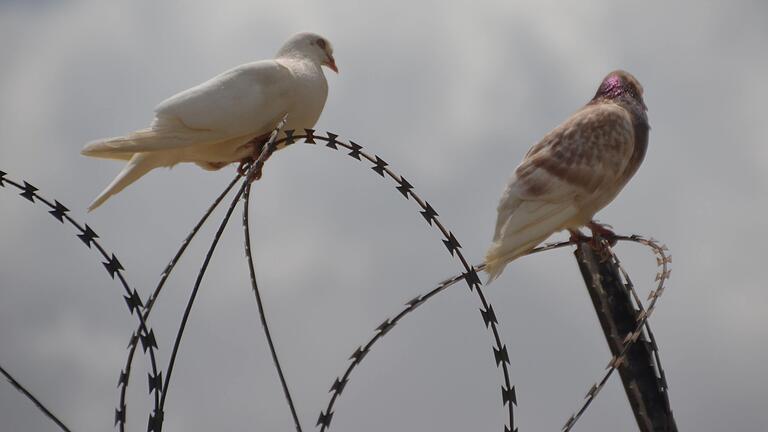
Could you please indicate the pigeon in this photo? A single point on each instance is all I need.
(227, 118)
(573, 172)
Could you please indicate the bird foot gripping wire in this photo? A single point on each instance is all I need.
(263, 147)
(245, 166)
(601, 240)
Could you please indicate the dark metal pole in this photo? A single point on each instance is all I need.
(645, 388)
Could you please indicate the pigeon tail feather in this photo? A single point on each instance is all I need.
(515, 243)
(497, 259)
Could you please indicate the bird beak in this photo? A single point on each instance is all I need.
(331, 63)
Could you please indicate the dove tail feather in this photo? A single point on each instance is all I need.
(164, 134)
(107, 149)
(114, 148)
(140, 164)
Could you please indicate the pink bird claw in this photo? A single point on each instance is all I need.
(602, 225)
(603, 231)
(577, 237)
(245, 168)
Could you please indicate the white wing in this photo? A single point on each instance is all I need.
(249, 98)
(245, 101)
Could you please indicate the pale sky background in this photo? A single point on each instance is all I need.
(451, 94)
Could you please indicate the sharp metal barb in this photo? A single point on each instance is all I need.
(331, 141)
(289, 139)
(380, 166)
(29, 192)
(414, 301)
(155, 423)
(472, 279)
(358, 355)
(123, 378)
(355, 153)
(489, 316)
(385, 327)
(148, 340)
(155, 382)
(429, 213)
(405, 187)
(508, 395)
(88, 236)
(133, 301)
(501, 355)
(113, 266)
(310, 137)
(324, 419)
(119, 415)
(338, 386)
(452, 244)
(59, 211)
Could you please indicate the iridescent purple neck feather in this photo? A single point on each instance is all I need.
(620, 86)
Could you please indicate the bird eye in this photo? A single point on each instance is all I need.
(321, 43)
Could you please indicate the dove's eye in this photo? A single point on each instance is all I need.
(321, 43)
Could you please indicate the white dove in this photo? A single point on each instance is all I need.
(227, 118)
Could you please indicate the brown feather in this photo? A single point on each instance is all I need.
(573, 172)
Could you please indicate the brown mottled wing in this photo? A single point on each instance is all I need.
(589, 150)
(579, 160)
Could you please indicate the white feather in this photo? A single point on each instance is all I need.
(140, 164)
(210, 124)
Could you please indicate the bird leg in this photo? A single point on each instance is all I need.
(245, 165)
(257, 145)
(599, 232)
(577, 237)
(602, 231)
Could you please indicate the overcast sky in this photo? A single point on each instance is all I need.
(451, 94)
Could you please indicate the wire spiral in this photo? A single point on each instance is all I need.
(158, 387)
(115, 270)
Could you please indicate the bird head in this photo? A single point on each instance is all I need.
(618, 84)
(310, 46)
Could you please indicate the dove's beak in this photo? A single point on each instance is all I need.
(331, 63)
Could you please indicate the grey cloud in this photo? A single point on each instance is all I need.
(451, 94)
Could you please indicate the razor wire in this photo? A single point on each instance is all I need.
(48, 413)
(254, 168)
(262, 311)
(430, 215)
(470, 276)
(115, 269)
(146, 335)
(133, 343)
(662, 261)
